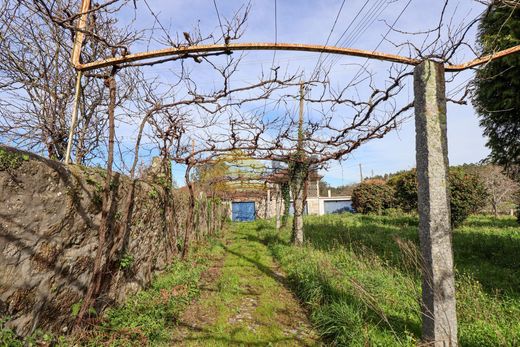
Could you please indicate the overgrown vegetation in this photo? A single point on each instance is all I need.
(360, 277)
(373, 196)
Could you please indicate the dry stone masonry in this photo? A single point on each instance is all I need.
(49, 234)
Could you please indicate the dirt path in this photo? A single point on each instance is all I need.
(244, 301)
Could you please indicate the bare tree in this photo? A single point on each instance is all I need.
(37, 82)
(500, 188)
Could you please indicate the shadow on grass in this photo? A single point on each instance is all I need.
(263, 268)
(491, 257)
(342, 316)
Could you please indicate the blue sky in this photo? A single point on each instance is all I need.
(311, 22)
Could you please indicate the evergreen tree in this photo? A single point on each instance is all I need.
(497, 96)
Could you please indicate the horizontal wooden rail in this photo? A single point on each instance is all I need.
(483, 60)
(201, 49)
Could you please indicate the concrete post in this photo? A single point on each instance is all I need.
(439, 326)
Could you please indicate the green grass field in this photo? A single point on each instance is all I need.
(359, 276)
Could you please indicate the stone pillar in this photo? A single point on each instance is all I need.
(439, 320)
(278, 207)
(268, 213)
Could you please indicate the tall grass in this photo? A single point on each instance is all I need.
(360, 277)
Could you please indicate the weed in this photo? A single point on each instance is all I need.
(153, 194)
(10, 160)
(126, 261)
(150, 315)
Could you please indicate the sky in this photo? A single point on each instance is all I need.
(311, 22)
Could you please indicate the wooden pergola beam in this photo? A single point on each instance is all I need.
(256, 46)
(266, 46)
(80, 35)
(483, 60)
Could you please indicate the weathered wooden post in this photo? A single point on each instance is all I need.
(439, 320)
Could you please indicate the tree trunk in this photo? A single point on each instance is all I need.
(171, 241)
(189, 216)
(299, 205)
(278, 207)
(97, 272)
(286, 201)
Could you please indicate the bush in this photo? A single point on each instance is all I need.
(373, 196)
(467, 193)
(405, 185)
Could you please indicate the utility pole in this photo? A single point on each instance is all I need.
(361, 172)
(300, 120)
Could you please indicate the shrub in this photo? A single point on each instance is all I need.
(405, 185)
(467, 193)
(373, 196)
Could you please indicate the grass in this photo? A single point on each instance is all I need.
(359, 276)
(150, 316)
(248, 304)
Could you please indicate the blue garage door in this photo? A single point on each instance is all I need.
(338, 206)
(243, 211)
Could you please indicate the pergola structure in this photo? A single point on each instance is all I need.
(438, 297)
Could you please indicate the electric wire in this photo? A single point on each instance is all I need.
(363, 24)
(380, 42)
(328, 38)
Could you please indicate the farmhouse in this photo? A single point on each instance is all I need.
(248, 204)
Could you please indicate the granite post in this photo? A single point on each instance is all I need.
(439, 319)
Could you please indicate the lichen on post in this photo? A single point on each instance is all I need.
(439, 318)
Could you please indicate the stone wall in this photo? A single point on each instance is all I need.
(49, 218)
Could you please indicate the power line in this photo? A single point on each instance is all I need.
(218, 16)
(382, 40)
(370, 17)
(366, 21)
(328, 38)
(354, 20)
